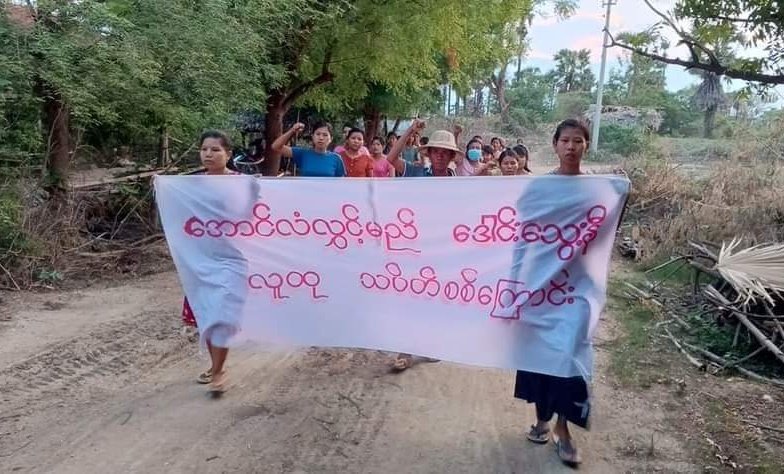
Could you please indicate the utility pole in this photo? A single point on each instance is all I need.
(597, 114)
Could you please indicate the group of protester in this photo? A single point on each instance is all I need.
(398, 156)
(413, 155)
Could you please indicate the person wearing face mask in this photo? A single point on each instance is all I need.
(472, 164)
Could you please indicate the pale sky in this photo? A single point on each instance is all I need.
(584, 30)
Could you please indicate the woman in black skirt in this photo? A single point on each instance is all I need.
(565, 396)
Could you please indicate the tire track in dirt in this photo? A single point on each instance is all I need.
(108, 356)
(334, 404)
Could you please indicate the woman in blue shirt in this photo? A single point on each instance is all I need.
(316, 161)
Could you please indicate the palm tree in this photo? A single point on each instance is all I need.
(573, 70)
(709, 97)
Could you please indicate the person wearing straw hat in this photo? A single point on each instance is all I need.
(441, 148)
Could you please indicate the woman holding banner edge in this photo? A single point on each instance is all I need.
(215, 152)
(567, 397)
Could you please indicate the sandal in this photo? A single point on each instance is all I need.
(219, 382)
(566, 452)
(535, 435)
(205, 377)
(403, 362)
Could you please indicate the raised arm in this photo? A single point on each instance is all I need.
(394, 153)
(457, 130)
(280, 145)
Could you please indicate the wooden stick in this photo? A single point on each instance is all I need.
(689, 357)
(748, 373)
(122, 179)
(743, 359)
(764, 427)
(13, 282)
(705, 251)
(642, 294)
(745, 321)
(680, 321)
(775, 320)
(140, 242)
(705, 270)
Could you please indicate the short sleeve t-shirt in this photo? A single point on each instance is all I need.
(382, 168)
(466, 168)
(360, 166)
(420, 171)
(410, 154)
(362, 151)
(311, 163)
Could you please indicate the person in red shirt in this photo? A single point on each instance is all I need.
(357, 161)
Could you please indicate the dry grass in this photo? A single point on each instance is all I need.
(59, 242)
(732, 200)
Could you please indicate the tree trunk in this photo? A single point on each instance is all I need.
(273, 128)
(372, 119)
(479, 105)
(164, 156)
(56, 118)
(710, 121)
(499, 89)
(397, 124)
(448, 99)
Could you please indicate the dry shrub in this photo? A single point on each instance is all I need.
(730, 200)
(79, 236)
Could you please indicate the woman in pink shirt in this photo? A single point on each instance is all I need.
(472, 164)
(381, 167)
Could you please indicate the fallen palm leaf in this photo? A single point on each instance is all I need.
(754, 272)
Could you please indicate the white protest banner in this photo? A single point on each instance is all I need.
(505, 272)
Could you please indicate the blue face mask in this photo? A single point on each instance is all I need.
(474, 154)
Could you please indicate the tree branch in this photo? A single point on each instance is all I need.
(713, 67)
(732, 19)
(686, 38)
(325, 77)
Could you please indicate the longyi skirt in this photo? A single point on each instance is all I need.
(565, 396)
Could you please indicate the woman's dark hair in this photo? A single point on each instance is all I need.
(472, 142)
(392, 134)
(321, 124)
(224, 139)
(487, 150)
(355, 130)
(495, 139)
(522, 151)
(507, 153)
(477, 138)
(571, 123)
(377, 139)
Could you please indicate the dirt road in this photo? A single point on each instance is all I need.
(102, 380)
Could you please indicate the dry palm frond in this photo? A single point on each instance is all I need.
(754, 272)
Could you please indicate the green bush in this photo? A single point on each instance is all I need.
(12, 238)
(571, 105)
(622, 140)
